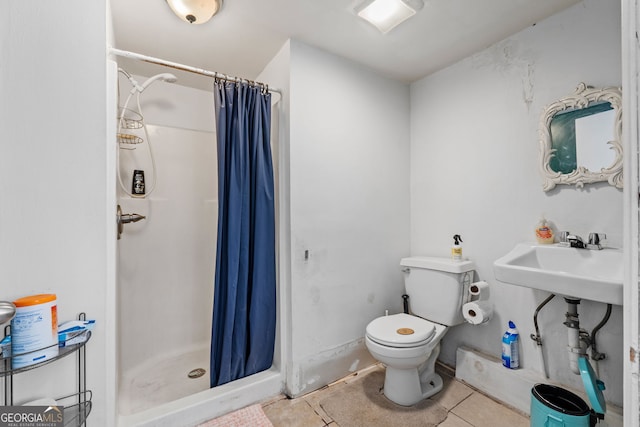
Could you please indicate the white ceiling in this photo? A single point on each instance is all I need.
(246, 34)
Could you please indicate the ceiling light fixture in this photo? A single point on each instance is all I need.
(387, 14)
(195, 11)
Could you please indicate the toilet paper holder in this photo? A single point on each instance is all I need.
(478, 309)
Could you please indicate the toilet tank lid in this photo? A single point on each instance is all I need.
(436, 263)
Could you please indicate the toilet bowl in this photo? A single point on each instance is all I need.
(408, 346)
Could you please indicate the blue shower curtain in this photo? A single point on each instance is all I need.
(244, 309)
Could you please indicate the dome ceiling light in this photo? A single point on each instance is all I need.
(195, 11)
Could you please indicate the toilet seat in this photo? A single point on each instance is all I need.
(392, 331)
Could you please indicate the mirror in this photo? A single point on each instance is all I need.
(580, 138)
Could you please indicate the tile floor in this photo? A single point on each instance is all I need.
(363, 404)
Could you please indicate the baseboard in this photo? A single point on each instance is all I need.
(321, 369)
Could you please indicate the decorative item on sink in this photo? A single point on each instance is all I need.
(580, 138)
(544, 232)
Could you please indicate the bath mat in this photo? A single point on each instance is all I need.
(361, 403)
(251, 416)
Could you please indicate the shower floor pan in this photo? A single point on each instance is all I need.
(163, 380)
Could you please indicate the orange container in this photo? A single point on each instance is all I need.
(34, 330)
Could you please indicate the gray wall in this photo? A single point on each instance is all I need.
(474, 171)
(349, 195)
(56, 221)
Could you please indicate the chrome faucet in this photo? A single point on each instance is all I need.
(594, 240)
(575, 241)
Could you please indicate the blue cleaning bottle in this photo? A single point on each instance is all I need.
(510, 351)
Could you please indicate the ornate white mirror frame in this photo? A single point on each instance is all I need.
(583, 97)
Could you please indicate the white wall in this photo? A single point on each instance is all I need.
(276, 75)
(172, 104)
(349, 196)
(631, 240)
(55, 217)
(474, 171)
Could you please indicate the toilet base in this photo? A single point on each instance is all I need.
(407, 387)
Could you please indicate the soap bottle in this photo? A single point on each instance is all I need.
(456, 249)
(544, 233)
(137, 183)
(510, 351)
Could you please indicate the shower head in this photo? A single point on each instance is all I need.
(167, 77)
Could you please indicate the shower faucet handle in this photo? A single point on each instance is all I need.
(122, 219)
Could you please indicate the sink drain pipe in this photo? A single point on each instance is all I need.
(537, 338)
(578, 340)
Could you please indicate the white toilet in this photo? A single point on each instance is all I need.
(409, 344)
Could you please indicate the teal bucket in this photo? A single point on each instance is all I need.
(553, 406)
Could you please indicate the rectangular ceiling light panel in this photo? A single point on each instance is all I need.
(386, 14)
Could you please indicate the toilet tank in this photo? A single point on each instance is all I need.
(437, 287)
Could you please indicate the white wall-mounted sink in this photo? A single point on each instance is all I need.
(579, 273)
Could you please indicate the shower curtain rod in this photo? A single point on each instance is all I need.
(175, 65)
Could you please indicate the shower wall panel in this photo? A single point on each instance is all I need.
(167, 261)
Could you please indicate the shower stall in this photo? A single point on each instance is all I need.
(166, 265)
(166, 261)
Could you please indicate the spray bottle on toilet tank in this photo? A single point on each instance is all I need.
(456, 249)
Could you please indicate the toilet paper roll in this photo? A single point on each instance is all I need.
(479, 291)
(477, 312)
